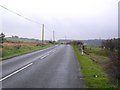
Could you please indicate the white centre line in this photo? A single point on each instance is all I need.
(15, 72)
(47, 54)
(43, 56)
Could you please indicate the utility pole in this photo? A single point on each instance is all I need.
(65, 39)
(42, 34)
(53, 37)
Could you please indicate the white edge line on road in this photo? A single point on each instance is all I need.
(47, 54)
(15, 72)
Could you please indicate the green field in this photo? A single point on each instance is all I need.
(94, 75)
(12, 51)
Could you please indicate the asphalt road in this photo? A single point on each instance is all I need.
(55, 67)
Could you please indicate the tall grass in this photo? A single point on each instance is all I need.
(12, 50)
(93, 73)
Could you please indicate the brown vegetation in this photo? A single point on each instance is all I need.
(112, 47)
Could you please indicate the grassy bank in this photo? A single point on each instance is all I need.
(94, 75)
(12, 50)
(102, 57)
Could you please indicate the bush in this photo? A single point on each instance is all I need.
(112, 47)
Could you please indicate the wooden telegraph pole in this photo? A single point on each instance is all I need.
(53, 37)
(42, 34)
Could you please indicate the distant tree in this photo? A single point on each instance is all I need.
(51, 42)
(111, 44)
(2, 37)
(75, 42)
(15, 36)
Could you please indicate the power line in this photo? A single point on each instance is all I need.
(19, 15)
(27, 19)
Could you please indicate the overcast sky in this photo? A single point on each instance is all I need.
(75, 19)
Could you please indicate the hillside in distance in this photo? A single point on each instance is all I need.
(17, 39)
(93, 42)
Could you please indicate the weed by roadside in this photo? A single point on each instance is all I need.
(94, 75)
(108, 61)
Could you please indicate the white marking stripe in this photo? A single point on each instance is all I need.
(15, 72)
(53, 51)
(47, 54)
(44, 56)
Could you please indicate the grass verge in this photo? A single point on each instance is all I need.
(94, 75)
(10, 51)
